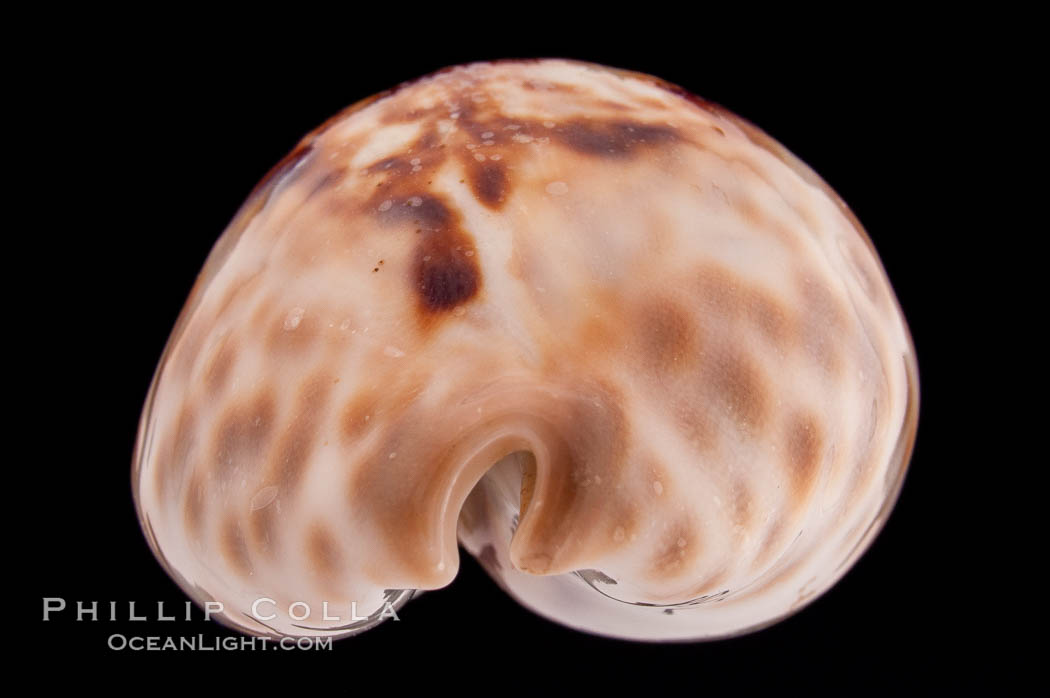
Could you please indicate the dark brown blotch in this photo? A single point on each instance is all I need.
(446, 277)
(424, 211)
(445, 273)
(489, 182)
(613, 139)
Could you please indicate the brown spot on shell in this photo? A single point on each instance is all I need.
(805, 451)
(445, 272)
(613, 139)
(323, 552)
(739, 386)
(300, 437)
(193, 510)
(489, 181)
(243, 433)
(600, 330)
(669, 336)
(234, 547)
(724, 295)
(358, 416)
(446, 278)
(676, 551)
(719, 290)
(422, 211)
(769, 315)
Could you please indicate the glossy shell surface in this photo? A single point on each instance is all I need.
(613, 340)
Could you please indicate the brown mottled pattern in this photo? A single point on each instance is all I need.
(675, 339)
(193, 510)
(323, 552)
(292, 453)
(242, 434)
(218, 369)
(176, 449)
(235, 548)
(677, 545)
(263, 526)
(805, 450)
(669, 334)
(490, 183)
(739, 387)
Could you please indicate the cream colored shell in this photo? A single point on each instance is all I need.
(542, 290)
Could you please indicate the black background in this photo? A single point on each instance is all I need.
(152, 139)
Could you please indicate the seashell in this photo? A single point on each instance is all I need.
(613, 340)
